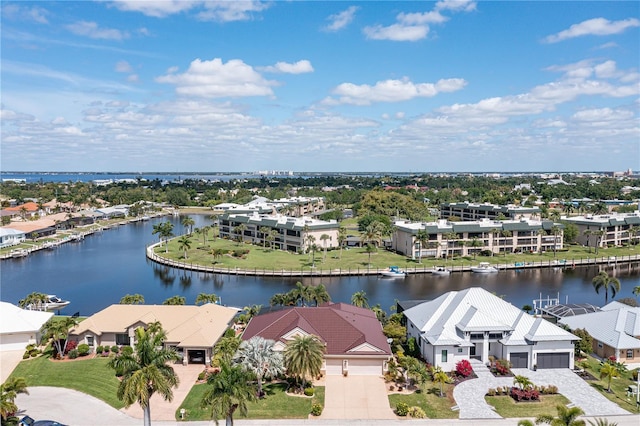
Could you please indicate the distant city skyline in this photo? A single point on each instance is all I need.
(333, 86)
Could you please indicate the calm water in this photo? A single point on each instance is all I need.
(98, 271)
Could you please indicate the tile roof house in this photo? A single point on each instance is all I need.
(20, 327)
(192, 330)
(615, 330)
(474, 323)
(353, 336)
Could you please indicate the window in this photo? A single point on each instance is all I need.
(459, 350)
(122, 339)
(629, 353)
(600, 344)
(90, 340)
(444, 356)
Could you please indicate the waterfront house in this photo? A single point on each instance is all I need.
(614, 229)
(191, 330)
(615, 330)
(11, 237)
(34, 228)
(475, 323)
(20, 327)
(353, 336)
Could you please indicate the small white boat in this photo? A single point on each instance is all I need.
(393, 272)
(484, 268)
(19, 253)
(441, 270)
(52, 303)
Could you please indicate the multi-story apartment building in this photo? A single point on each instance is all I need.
(300, 206)
(614, 229)
(295, 234)
(469, 211)
(444, 238)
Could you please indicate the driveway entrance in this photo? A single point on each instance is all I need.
(356, 397)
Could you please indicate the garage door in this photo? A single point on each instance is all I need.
(334, 367)
(365, 367)
(553, 360)
(519, 360)
(13, 342)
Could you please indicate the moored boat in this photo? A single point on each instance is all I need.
(393, 272)
(441, 270)
(51, 303)
(484, 268)
(19, 253)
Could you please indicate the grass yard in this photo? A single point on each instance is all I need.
(508, 407)
(91, 376)
(277, 404)
(619, 385)
(429, 400)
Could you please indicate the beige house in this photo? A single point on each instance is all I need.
(191, 330)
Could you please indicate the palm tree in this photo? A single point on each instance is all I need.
(239, 231)
(523, 382)
(164, 231)
(132, 299)
(175, 300)
(633, 231)
(264, 230)
(34, 301)
(205, 234)
(608, 371)
(188, 223)
(474, 243)
(251, 311)
(271, 237)
(324, 238)
(636, 291)
(422, 237)
(257, 356)
(228, 391)
(184, 244)
(607, 282)
(566, 417)
(441, 378)
(311, 240)
(58, 332)
(599, 234)
(359, 299)
(373, 233)
(9, 390)
(506, 234)
(204, 298)
(602, 422)
(303, 357)
(226, 348)
(369, 248)
(301, 293)
(342, 237)
(319, 294)
(448, 237)
(145, 371)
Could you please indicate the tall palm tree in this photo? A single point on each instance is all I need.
(303, 357)
(251, 311)
(188, 223)
(34, 301)
(301, 293)
(506, 234)
(441, 378)
(636, 291)
(9, 390)
(228, 391)
(599, 234)
(264, 230)
(258, 356)
(555, 231)
(312, 245)
(145, 371)
(239, 231)
(132, 299)
(58, 332)
(422, 237)
(324, 238)
(342, 237)
(271, 237)
(474, 243)
(175, 300)
(184, 244)
(359, 299)
(523, 381)
(587, 233)
(608, 371)
(204, 298)
(369, 249)
(606, 282)
(320, 294)
(566, 417)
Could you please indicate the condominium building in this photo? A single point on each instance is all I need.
(295, 234)
(614, 229)
(444, 238)
(470, 211)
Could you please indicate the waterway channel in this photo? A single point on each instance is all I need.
(99, 270)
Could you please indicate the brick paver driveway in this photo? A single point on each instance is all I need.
(356, 397)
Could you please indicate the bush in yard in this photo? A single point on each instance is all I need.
(71, 345)
(528, 394)
(126, 350)
(73, 354)
(464, 368)
(316, 409)
(491, 392)
(115, 349)
(83, 349)
(417, 413)
(402, 409)
(503, 367)
(308, 391)
(202, 375)
(100, 349)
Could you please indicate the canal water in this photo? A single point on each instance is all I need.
(98, 271)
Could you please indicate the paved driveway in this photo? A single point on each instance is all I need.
(356, 397)
(8, 362)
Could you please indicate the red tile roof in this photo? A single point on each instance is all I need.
(30, 207)
(340, 326)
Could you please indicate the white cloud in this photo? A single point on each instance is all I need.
(215, 79)
(391, 91)
(596, 26)
(91, 30)
(397, 32)
(340, 20)
(206, 10)
(19, 12)
(133, 78)
(456, 5)
(227, 11)
(300, 67)
(158, 9)
(123, 66)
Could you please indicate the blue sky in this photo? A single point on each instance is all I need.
(396, 86)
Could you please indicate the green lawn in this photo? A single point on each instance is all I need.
(277, 404)
(91, 376)
(508, 407)
(619, 385)
(429, 400)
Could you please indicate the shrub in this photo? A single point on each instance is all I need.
(100, 349)
(417, 413)
(34, 353)
(551, 390)
(634, 374)
(402, 409)
(491, 392)
(71, 345)
(316, 409)
(83, 349)
(115, 349)
(202, 375)
(73, 353)
(126, 350)
(309, 391)
(503, 367)
(26, 355)
(528, 394)
(464, 368)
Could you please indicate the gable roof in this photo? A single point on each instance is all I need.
(345, 329)
(16, 320)
(617, 325)
(446, 319)
(186, 325)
